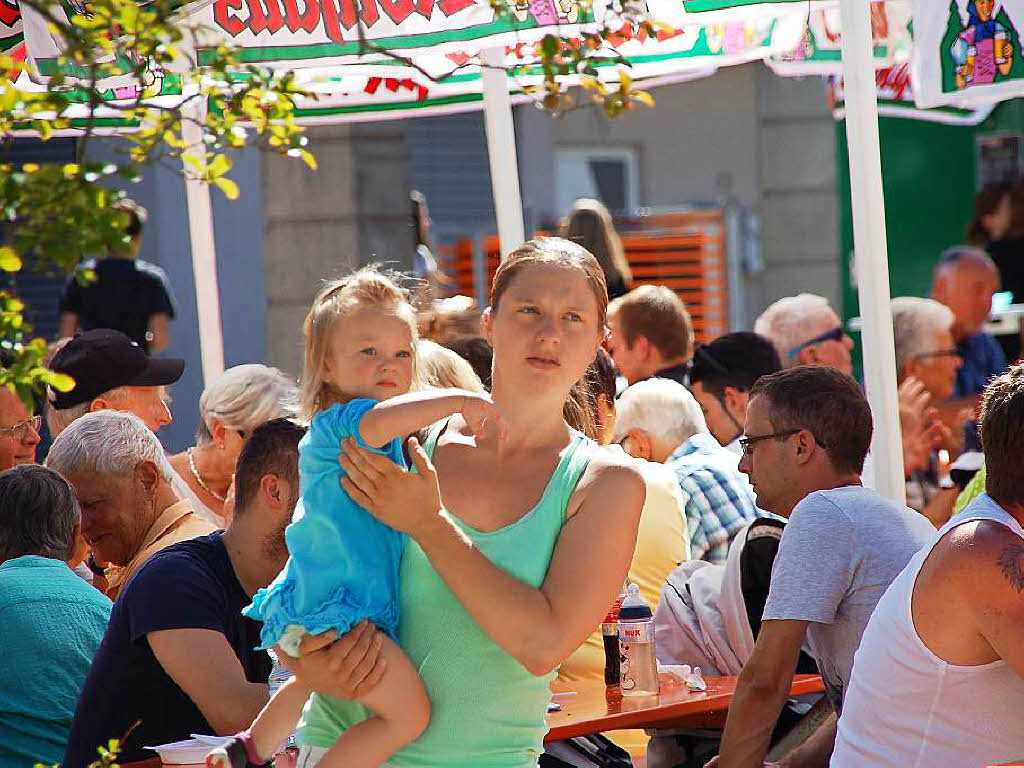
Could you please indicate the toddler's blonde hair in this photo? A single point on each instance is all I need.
(367, 286)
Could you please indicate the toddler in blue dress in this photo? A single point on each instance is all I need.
(343, 563)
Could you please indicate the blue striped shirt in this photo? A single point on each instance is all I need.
(719, 500)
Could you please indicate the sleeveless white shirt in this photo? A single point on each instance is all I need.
(907, 708)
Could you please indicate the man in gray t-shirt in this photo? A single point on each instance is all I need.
(807, 431)
(840, 551)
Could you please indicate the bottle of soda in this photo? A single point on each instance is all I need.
(610, 634)
(638, 670)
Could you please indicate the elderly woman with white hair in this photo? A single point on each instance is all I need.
(926, 364)
(229, 410)
(659, 420)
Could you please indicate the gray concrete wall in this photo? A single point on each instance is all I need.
(165, 242)
(799, 207)
(742, 135)
(699, 143)
(353, 210)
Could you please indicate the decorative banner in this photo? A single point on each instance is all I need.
(11, 31)
(820, 50)
(703, 11)
(896, 99)
(343, 99)
(967, 52)
(271, 35)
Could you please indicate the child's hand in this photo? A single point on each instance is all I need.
(482, 415)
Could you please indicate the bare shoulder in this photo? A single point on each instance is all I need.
(988, 555)
(609, 480)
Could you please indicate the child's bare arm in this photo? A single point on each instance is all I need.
(403, 415)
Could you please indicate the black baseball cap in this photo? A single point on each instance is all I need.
(101, 360)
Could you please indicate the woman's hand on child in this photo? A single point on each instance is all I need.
(482, 416)
(345, 667)
(407, 501)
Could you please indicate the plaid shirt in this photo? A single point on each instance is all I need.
(719, 500)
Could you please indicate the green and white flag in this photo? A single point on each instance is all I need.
(967, 52)
(820, 50)
(728, 10)
(380, 87)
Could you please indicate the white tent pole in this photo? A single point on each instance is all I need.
(204, 255)
(871, 253)
(501, 150)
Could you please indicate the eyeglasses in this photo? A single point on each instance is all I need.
(937, 353)
(747, 443)
(21, 429)
(836, 334)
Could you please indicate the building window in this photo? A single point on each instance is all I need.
(609, 174)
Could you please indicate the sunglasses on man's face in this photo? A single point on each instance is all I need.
(938, 353)
(836, 334)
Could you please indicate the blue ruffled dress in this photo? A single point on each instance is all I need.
(343, 563)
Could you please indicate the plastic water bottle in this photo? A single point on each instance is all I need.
(638, 663)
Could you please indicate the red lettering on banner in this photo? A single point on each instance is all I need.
(895, 79)
(307, 20)
(264, 19)
(449, 7)
(334, 21)
(398, 10)
(228, 22)
(9, 12)
(336, 16)
(370, 14)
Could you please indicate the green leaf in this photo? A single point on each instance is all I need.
(59, 381)
(221, 164)
(227, 186)
(9, 260)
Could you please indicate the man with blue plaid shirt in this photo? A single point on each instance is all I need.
(659, 420)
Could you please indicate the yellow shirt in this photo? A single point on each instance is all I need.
(662, 543)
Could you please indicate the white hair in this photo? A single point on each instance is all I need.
(107, 442)
(245, 397)
(914, 322)
(784, 323)
(60, 419)
(661, 407)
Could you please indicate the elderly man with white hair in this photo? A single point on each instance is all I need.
(659, 420)
(230, 408)
(806, 331)
(926, 363)
(123, 483)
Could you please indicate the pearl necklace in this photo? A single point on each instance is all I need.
(195, 474)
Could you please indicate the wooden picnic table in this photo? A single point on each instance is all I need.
(595, 708)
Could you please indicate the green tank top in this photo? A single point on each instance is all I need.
(487, 710)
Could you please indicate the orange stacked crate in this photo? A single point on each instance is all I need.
(684, 251)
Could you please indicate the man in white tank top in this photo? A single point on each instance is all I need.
(939, 676)
(807, 432)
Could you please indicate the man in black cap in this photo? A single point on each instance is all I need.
(111, 371)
